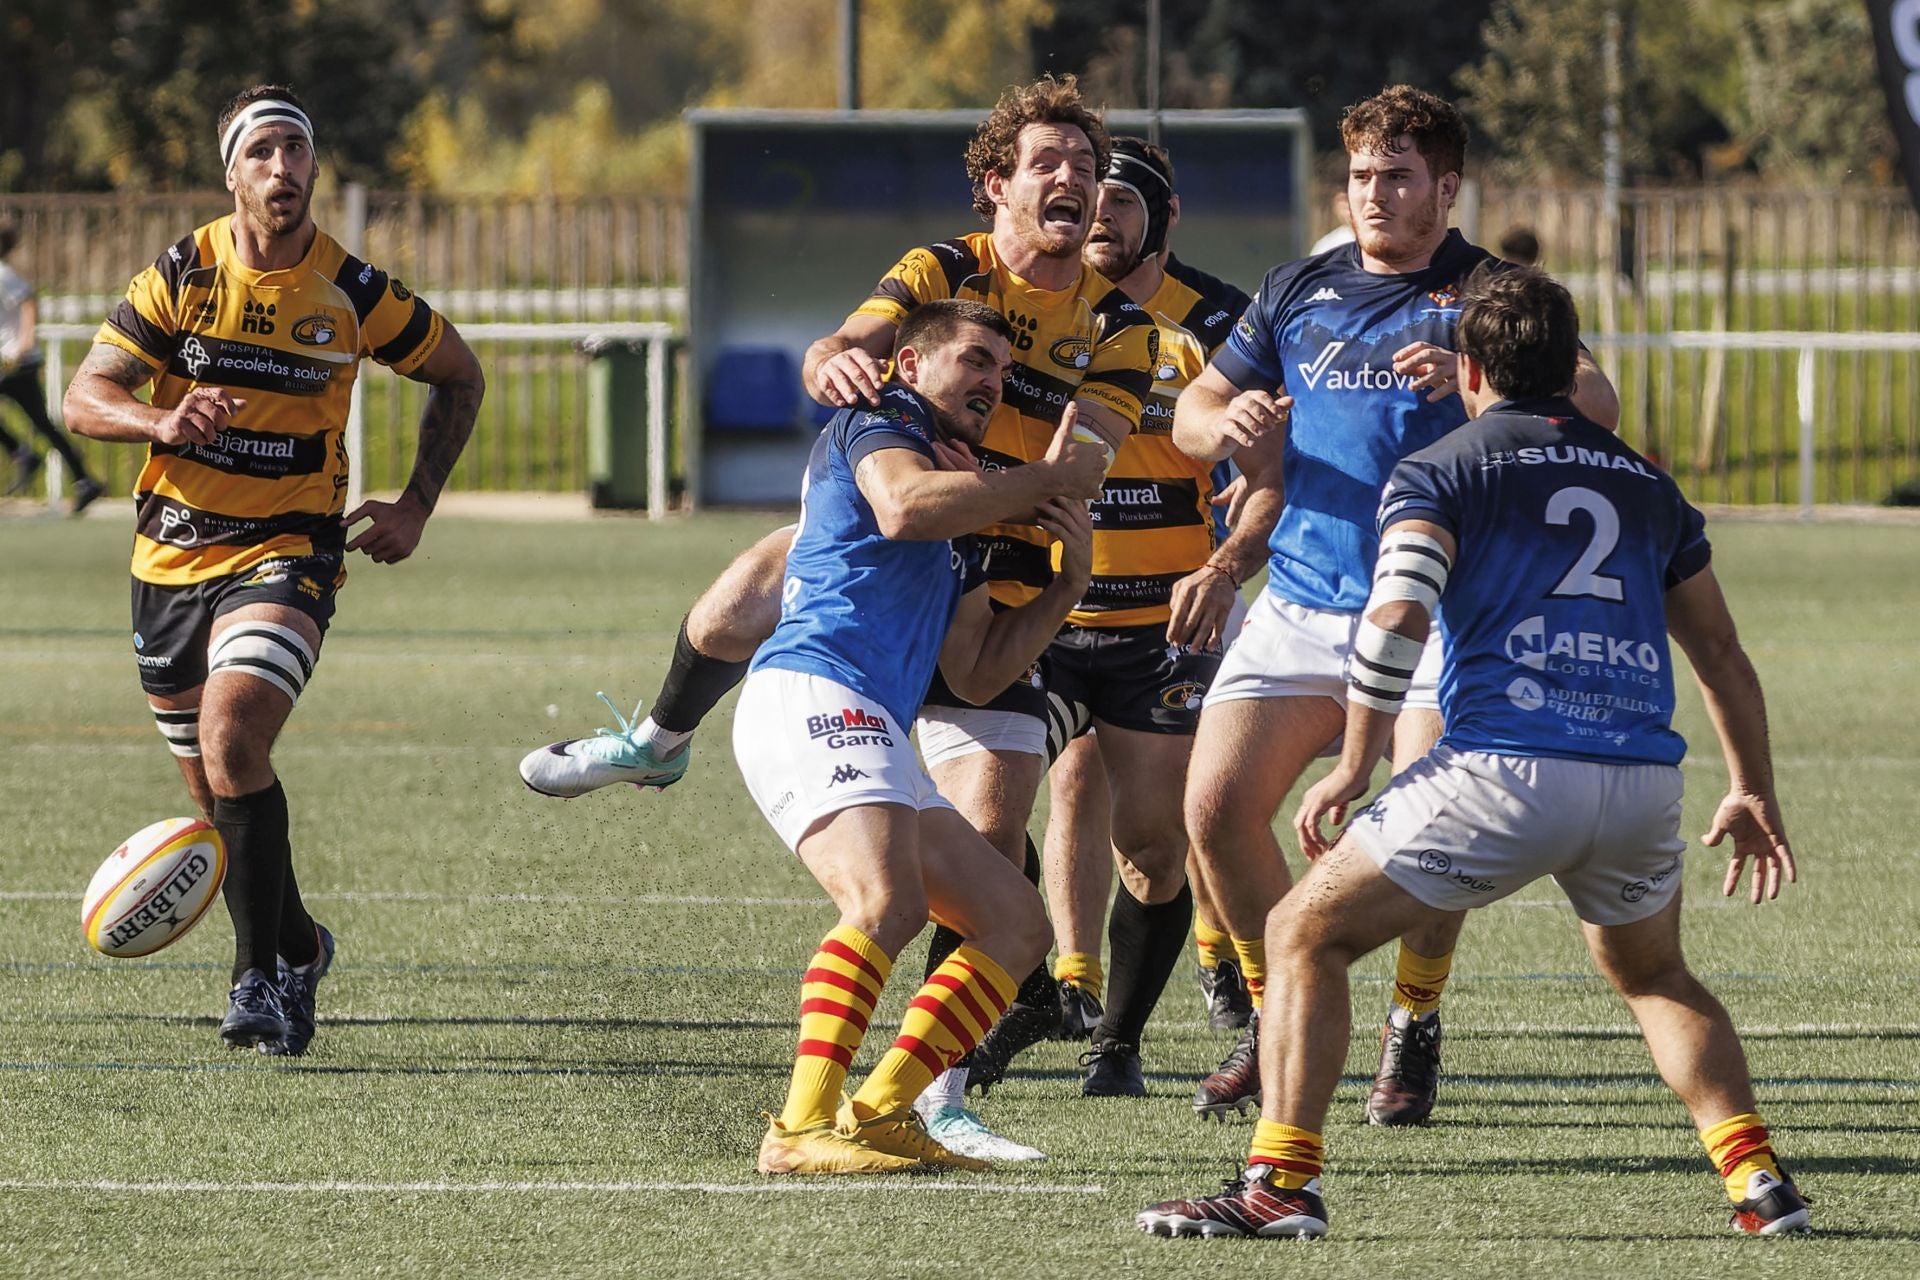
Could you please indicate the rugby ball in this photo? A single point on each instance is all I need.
(154, 887)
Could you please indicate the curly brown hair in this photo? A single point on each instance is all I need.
(995, 146)
(1438, 130)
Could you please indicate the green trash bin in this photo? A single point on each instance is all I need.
(617, 400)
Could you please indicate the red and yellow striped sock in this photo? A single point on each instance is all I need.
(836, 1003)
(1213, 945)
(1253, 967)
(1739, 1148)
(1294, 1154)
(1418, 979)
(947, 1017)
(1082, 969)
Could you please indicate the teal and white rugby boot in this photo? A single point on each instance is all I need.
(579, 765)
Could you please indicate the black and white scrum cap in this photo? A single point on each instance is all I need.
(255, 114)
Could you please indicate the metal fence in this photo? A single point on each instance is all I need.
(1715, 311)
(522, 274)
(1706, 307)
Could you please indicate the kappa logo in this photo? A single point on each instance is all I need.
(194, 356)
(845, 773)
(1326, 295)
(1312, 372)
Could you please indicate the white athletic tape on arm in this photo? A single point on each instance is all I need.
(255, 114)
(1411, 566)
(1380, 668)
(266, 651)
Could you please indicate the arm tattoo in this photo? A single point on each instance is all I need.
(121, 368)
(445, 425)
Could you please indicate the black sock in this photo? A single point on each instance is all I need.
(299, 943)
(1144, 943)
(695, 683)
(255, 831)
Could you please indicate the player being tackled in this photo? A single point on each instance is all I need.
(882, 586)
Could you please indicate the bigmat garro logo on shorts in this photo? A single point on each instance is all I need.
(850, 727)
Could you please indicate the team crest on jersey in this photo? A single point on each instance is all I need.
(1446, 295)
(399, 290)
(1071, 352)
(315, 330)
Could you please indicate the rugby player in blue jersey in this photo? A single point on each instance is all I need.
(1346, 359)
(1563, 559)
(882, 586)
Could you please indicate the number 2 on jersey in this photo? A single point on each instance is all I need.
(1581, 580)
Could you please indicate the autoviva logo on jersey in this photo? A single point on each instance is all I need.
(1368, 377)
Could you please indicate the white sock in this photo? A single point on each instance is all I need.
(666, 743)
(949, 1089)
(1399, 1017)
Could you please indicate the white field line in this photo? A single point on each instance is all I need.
(545, 1188)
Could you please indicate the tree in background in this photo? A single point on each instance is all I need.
(1263, 53)
(577, 96)
(1784, 87)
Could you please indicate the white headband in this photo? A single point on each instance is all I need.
(265, 111)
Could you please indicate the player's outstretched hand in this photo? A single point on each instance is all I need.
(1758, 834)
(1326, 800)
(395, 530)
(1252, 415)
(851, 377)
(1201, 604)
(1072, 527)
(198, 418)
(1437, 369)
(1078, 458)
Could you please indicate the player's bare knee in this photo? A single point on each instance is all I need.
(1159, 867)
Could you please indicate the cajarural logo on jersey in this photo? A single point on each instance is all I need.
(1367, 377)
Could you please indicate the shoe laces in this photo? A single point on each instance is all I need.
(908, 1126)
(611, 744)
(1110, 1049)
(257, 996)
(1243, 1052)
(1414, 1070)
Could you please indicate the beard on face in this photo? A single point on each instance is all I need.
(1417, 225)
(279, 222)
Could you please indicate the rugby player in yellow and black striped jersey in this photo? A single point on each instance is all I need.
(1138, 653)
(250, 331)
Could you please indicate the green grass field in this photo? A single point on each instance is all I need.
(552, 1026)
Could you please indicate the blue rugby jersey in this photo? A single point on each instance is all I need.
(858, 607)
(1554, 617)
(1323, 330)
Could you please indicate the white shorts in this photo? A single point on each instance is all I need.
(949, 732)
(1287, 650)
(810, 747)
(1461, 829)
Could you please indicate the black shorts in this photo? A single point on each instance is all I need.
(1025, 696)
(1130, 677)
(171, 624)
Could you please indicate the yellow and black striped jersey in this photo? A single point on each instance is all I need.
(289, 343)
(1154, 523)
(1088, 341)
